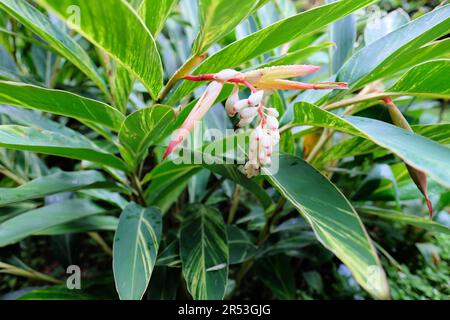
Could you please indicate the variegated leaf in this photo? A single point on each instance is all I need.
(333, 219)
(204, 252)
(136, 245)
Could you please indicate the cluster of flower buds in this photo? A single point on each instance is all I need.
(260, 82)
(262, 141)
(265, 136)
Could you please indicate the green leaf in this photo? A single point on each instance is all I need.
(47, 142)
(60, 102)
(165, 283)
(333, 219)
(115, 27)
(136, 244)
(204, 252)
(277, 274)
(401, 187)
(55, 183)
(108, 196)
(290, 243)
(56, 293)
(357, 146)
(170, 255)
(37, 120)
(154, 13)
(121, 84)
(86, 224)
(233, 173)
(379, 27)
(37, 220)
(430, 51)
(431, 79)
(143, 129)
(240, 244)
(296, 57)
(377, 59)
(165, 191)
(391, 215)
(122, 80)
(343, 34)
(170, 177)
(417, 151)
(218, 18)
(295, 27)
(7, 62)
(61, 42)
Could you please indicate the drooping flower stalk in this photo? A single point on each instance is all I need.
(261, 83)
(203, 105)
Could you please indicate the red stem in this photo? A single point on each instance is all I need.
(261, 114)
(198, 78)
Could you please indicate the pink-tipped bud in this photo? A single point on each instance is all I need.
(227, 74)
(253, 141)
(231, 101)
(250, 112)
(245, 121)
(253, 150)
(272, 123)
(278, 72)
(266, 140)
(272, 112)
(258, 133)
(240, 105)
(256, 98)
(262, 156)
(269, 150)
(284, 72)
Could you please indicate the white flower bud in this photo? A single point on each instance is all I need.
(249, 112)
(272, 123)
(275, 134)
(269, 150)
(253, 148)
(231, 101)
(262, 156)
(258, 133)
(266, 140)
(256, 98)
(253, 158)
(226, 75)
(245, 121)
(240, 105)
(253, 144)
(262, 153)
(273, 112)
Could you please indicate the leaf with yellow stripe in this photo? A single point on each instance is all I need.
(417, 151)
(136, 245)
(116, 28)
(204, 252)
(336, 224)
(142, 129)
(60, 41)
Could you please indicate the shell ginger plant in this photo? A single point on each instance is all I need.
(96, 97)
